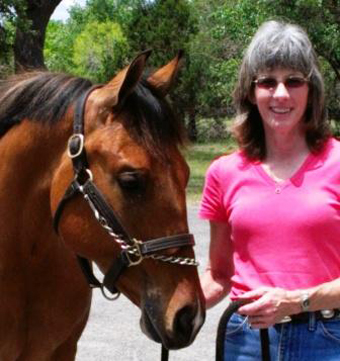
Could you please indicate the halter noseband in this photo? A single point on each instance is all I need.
(133, 251)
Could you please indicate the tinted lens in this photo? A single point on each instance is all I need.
(271, 83)
(294, 82)
(266, 83)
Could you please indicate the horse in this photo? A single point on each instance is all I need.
(92, 175)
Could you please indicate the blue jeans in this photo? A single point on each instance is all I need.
(314, 340)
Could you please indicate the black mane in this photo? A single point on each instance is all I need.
(38, 96)
(45, 97)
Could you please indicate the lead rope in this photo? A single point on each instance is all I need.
(221, 330)
(165, 354)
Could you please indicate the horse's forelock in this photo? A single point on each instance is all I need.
(153, 122)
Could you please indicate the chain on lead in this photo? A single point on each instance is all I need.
(176, 260)
(133, 249)
(103, 222)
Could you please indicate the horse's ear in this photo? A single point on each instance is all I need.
(164, 77)
(126, 80)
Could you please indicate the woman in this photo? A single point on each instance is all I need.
(274, 207)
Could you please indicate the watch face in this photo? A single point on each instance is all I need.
(305, 302)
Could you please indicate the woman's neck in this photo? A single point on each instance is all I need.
(285, 147)
(285, 155)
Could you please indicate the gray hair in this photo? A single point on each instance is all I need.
(286, 46)
(279, 45)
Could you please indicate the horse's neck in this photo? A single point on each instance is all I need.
(29, 155)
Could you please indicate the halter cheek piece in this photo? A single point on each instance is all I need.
(133, 251)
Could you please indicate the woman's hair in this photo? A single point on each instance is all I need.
(286, 46)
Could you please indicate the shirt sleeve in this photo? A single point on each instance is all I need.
(211, 206)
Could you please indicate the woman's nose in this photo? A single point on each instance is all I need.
(281, 92)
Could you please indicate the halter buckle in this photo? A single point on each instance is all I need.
(135, 251)
(75, 145)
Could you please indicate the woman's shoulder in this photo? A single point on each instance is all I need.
(230, 162)
(331, 148)
(329, 155)
(335, 143)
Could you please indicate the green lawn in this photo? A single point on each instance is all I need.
(199, 157)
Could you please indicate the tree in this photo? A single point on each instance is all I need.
(162, 25)
(213, 33)
(107, 53)
(29, 45)
(30, 18)
(215, 50)
(166, 26)
(8, 23)
(58, 49)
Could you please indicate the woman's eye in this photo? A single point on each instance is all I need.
(132, 181)
(266, 83)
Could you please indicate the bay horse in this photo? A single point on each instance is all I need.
(103, 165)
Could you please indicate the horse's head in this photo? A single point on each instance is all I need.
(131, 141)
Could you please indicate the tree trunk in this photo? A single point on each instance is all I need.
(192, 128)
(29, 44)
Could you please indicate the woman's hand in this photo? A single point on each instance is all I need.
(269, 305)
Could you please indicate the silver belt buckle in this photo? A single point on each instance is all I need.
(327, 313)
(285, 319)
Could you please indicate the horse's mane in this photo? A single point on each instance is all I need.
(37, 96)
(45, 97)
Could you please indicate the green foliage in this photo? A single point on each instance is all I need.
(162, 25)
(101, 37)
(215, 51)
(100, 50)
(8, 23)
(58, 50)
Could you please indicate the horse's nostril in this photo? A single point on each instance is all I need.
(184, 322)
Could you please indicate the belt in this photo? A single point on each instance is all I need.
(317, 315)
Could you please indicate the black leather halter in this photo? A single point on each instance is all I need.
(132, 251)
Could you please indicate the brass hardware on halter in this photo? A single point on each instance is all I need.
(134, 251)
(74, 138)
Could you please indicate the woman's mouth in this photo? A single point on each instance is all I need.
(280, 110)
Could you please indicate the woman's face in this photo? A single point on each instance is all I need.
(281, 96)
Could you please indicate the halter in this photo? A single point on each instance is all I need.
(133, 251)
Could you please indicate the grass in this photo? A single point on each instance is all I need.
(199, 157)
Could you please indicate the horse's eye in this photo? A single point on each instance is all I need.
(132, 181)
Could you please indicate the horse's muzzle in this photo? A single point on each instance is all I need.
(184, 327)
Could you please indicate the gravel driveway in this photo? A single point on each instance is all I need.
(113, 333)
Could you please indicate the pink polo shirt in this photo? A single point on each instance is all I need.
(284, 234)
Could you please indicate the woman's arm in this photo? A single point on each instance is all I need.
(216, 279)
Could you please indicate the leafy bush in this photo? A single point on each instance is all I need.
(100, 50)
(213, 129)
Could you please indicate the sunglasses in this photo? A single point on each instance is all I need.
(269, 83)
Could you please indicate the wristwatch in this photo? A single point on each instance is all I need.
(304, 301)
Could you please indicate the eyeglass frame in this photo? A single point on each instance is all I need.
(302, 82)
